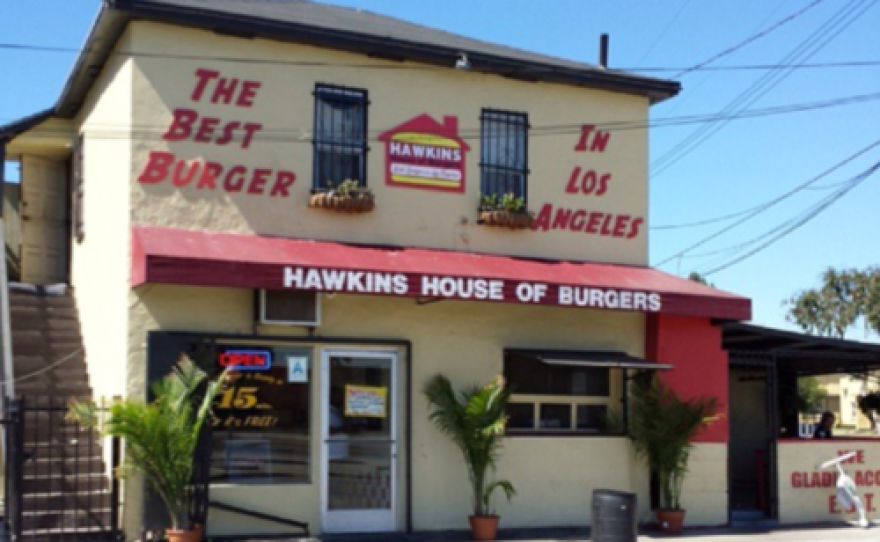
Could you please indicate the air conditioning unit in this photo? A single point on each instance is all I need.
(289, 308)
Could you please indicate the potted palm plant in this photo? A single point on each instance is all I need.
(161, 437)
(662, 426)
(475, 419)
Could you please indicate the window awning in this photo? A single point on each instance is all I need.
(175, 256)
(593, 358)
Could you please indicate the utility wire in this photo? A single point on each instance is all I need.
(830, 29)
(761, 208)
(662, 35)
(750, 39)
(844, 186)
(146, 132)
(406, 66)
(799, 223)
(744, 99)
(731, 250)
(802, 187)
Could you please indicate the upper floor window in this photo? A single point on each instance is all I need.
(340, 138)
(505, 157)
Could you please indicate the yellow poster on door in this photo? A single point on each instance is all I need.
(365, 401)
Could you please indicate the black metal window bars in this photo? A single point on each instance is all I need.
(340, 136)
(504, 165)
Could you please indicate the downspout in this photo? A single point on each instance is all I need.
(6, 370)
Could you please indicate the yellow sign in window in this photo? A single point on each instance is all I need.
(365, 401)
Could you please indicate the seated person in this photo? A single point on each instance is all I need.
(825, 427)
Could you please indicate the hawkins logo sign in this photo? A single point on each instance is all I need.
(422, 153)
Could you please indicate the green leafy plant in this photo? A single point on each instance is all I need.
(503, 202)
(348, 188)
(488, 202)
(661, 427)
(160, 436)
(474, 419)
(509, 202)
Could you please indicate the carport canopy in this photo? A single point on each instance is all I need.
(800, 353)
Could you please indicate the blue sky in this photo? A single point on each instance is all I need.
(745, 164)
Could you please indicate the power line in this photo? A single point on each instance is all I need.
(763, 207)
(404, 66)
(801, 222)
(662, 35)
(802, 187)
(806, 49)
(750, 39)
(768, 67)
(822, 204)
(302, 135)
(693, 89)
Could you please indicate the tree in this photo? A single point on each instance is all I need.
(696, 277)
(811, 394)
(845, 297)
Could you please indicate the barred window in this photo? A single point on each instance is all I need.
(505, 157)
(340, 136)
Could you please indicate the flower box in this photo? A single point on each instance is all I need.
(361, 202)
(514, 220)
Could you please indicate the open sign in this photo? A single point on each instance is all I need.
(246, 360)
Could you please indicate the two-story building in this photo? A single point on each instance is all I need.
(344, 205)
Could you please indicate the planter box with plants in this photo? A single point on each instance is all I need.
(474, 419)
(506, 211)
(347, 197)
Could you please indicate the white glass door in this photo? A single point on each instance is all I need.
(359, 440)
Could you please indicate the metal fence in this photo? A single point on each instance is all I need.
(57, 484)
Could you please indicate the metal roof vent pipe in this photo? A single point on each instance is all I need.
(603, 51)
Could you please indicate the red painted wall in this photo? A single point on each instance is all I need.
(693, 347)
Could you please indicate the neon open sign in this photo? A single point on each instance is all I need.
(246, 360)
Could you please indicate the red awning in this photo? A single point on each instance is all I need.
(174, 256)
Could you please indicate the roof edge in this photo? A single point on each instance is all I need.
(801, 336)
(109, 25)
(15, 128)
(655, 89)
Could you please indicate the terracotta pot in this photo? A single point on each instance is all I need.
(484, 527)
(670, 521)
(190, 535)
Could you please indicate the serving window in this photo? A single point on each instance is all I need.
(568, 393)
(557, 397)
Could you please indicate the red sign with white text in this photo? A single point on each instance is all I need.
(422, 153)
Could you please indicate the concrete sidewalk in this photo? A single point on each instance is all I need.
(832, 532)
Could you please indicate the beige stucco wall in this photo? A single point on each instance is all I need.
(704, 493)
(555, 476)
(101, 263)
(806, 494)
(284, 105)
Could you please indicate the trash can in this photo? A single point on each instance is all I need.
(614, 516)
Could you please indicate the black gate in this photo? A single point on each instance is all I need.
(58, 486)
